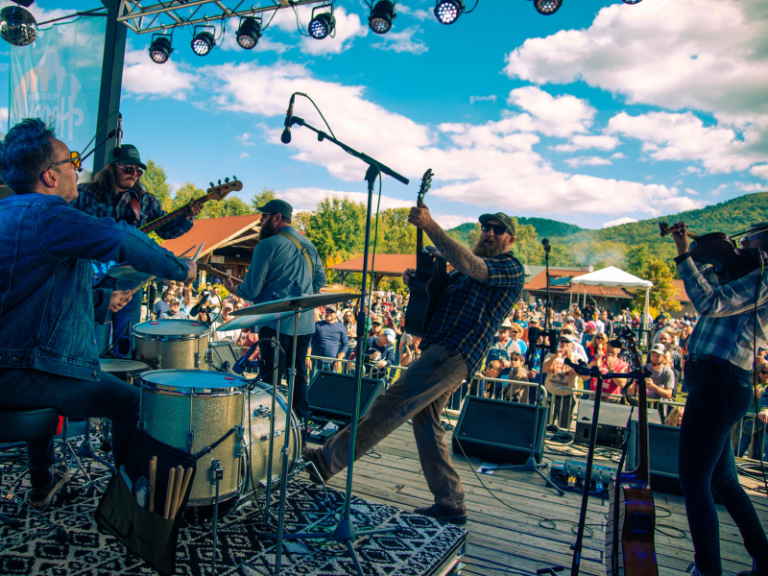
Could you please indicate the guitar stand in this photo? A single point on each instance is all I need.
(345, 532)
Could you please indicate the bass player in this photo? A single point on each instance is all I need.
(718, 373)
(483, 288)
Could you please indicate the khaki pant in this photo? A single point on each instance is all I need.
(419, 394)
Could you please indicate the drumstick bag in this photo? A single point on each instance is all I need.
(147, 534)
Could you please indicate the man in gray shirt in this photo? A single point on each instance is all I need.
(283, 262)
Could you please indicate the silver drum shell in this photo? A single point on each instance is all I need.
(176, 350)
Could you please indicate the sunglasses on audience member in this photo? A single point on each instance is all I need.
(498, 229)
(763, 371)
(131, 170)
(74, 157)
(376, 323)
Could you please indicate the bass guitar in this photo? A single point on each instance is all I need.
(430, 279)
(216, 272)
(629, 542)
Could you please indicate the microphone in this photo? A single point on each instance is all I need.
(240, 366)
(285, 138)
(546, 245)
(118, 136)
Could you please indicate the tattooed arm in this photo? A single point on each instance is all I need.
(457, 255)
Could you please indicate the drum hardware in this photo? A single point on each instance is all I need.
(190, 440)
(169, 344)
(209, 356)
(197, 360)
(158, 361)
(261, 412)
(239, 441)
(218, 476)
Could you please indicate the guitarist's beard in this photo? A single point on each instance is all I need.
(495, 247)
(267, 230)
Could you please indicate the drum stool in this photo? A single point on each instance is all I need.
(20, 426)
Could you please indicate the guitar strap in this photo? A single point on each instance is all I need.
(301, 249)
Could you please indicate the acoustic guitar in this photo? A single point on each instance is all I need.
(629, 542)
(430, 279)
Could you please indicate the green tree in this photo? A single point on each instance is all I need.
(337, 229)
(301, 220)
(262, 198)
(156, 181)
(396, 236)
(663, 295)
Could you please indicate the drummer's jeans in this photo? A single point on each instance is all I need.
(420, 394)
(300, 400)
(719, 396)
(79, 399)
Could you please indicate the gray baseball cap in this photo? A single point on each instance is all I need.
(501, 217)
(277, 207)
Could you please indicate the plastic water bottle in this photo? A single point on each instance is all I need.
(295, 290)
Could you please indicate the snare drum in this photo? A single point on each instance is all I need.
(126, 370)
(167, 344)
(190, 410)
(260, 405)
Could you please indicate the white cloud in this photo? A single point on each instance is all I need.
(492, 164)
(491, 98)
(402, 42)
(245, 139)
(680, 137)
(691, 170)
(309, 198)
(618, 222)
(618, 156)
(448, 221)
(419, 13)
(760, 171)
(719, 190)
(691, 191)
(588, 161)
(244, 154)
(750, 187)
(142, 77)
(3, 118)
(586, 142)
(560, 116)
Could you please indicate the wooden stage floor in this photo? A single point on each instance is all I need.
(501, 539)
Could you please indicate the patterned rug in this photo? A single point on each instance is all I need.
(419, 546)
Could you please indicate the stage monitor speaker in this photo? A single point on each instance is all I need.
(664, 451)
(611, 422)
(331, 394)
(499, 431)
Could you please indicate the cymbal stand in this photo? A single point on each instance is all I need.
(270, 452)
(345, 532)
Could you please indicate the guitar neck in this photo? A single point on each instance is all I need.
(172, 215)
(419, 233)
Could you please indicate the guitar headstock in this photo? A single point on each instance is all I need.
(426, 182)
(220, 191)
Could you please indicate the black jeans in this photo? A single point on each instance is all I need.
(109, 397)
(300, 399)
(719, 396)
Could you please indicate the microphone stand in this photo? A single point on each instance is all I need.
(531, 465)
(345, 532)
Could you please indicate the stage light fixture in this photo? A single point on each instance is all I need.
(160, 49)
(204, 41)
(448, 11)
(631, 1)
(249, 32)
(547, 7)
(17, 26)
(381, 16)
(323, 24)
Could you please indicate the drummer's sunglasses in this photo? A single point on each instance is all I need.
(74, 157)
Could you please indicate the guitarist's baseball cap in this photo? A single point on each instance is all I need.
(129, 156)
(501, 217)
(277, 207)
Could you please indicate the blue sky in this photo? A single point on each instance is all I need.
(601, 113)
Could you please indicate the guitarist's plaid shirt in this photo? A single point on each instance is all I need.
(469, 313)
(149, 210)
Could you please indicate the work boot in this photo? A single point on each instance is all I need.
(444, 513)
(41, 497)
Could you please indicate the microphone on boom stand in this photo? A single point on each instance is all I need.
(285, 137)
(546, 245)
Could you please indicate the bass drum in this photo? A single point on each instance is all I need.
(172, 344)
(259, 405)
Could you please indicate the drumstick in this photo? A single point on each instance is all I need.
(169, 492)
(176, 490)
(152, 480)
(184, 485)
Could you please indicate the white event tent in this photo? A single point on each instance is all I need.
(615, 278)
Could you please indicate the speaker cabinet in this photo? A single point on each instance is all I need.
(499, 431)
(331, 394)
(611, 422)
(664, 451)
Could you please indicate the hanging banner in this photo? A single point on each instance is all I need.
(58, 77)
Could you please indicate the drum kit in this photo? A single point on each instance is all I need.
(188, 401)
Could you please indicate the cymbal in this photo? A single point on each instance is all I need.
(129, 274)
(252, 321)
(303, 302)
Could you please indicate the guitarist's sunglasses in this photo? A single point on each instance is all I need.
(498, 229)
(131, 170)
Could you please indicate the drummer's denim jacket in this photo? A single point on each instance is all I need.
(46, 308)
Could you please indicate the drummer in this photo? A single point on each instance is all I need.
(281, 260)
(45, 280)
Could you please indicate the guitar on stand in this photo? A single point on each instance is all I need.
(629, 543)
(430, 279)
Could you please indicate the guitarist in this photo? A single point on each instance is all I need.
(117, 192)
(718, 373)
(486, 283)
